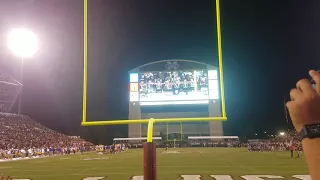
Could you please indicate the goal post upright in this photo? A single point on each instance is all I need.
(180, 130)
(85, 60)
(219, 41)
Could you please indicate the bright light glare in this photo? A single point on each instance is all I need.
(282, 133)
(22, 42)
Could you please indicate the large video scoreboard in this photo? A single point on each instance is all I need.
(174, 87)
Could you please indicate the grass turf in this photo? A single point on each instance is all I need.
(185, 161)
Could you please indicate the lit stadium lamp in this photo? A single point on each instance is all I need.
(281, 133)
(23, 43)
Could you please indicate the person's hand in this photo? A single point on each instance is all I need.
(304, 107)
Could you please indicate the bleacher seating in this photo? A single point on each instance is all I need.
(22, 132)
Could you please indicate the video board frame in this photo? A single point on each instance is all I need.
(174, 87)
(113, 122)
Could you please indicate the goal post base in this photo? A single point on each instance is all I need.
(149, 162)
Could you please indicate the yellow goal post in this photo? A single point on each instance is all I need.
(149, 121)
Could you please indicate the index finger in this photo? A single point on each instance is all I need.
(305, 87)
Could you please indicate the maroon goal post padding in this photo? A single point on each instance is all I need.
(150, 165)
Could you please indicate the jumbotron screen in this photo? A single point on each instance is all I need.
(174, 87)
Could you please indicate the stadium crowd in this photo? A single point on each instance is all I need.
(21, 136)
(211, 143)
(183, 143)
(290, 141)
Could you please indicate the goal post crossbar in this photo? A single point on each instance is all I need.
(151, 122)
(163, 120)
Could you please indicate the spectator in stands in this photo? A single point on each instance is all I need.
(276, 143)
(20, 136)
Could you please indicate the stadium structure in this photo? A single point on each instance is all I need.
(175, 89)
(20, 133)
(9, 91)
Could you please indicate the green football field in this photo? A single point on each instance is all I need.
(171, 165)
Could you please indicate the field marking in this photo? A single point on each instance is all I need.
(65, 158)
(86, 174)
(251, 169)
(73, 174)
(84, 170)
(135, 174)
(49, 168)
(6, 167)
(43, 170)
(36, 162)
(227, 166)
(92, 159)
(36, 157)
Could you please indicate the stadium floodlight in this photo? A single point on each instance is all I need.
(23, 43)
(281, 133)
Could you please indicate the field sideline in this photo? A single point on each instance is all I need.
(171, 165)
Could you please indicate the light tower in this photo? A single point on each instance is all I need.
(23, 43)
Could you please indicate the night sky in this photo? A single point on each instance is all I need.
(267, 47)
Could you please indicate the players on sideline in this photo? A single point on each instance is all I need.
(112, 149)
